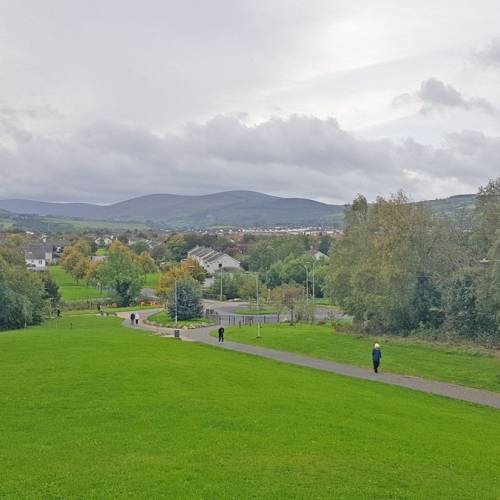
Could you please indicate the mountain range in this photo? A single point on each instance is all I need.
(230, 208)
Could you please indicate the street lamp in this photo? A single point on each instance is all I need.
(220, 267)
(307, 283)
(175, 302)
(313, 285)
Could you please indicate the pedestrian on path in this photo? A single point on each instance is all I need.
(376, 357)
(132, 319)
(137, 318)
(221, 335)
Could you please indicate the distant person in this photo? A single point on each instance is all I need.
(376, 357)
(221, 335)
(58, 312)
(132, 319)
(137, 318)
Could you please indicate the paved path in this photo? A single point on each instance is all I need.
(202, 335)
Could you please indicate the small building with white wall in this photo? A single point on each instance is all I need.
(212, 260)
(38, 257)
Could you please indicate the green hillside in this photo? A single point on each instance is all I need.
(93, 410)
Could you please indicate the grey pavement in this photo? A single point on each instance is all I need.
(477, 396)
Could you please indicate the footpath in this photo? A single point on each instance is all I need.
(202, 335)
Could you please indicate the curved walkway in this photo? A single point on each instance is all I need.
(477, 396)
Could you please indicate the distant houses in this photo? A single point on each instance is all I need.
(212, 260)
(38, 256)
(317, 255)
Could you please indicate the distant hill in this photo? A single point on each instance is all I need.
(230, 208)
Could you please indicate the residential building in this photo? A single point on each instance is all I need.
(212, 260)
(38, 257)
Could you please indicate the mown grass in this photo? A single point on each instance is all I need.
(471, 367)
(70, 289)
(93, 410)
(163, 318)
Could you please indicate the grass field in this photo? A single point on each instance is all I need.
(164, 319)
(89, 224)
(70, 289)
(94, 410)
(462, 366)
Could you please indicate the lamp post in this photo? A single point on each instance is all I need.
(313, 286)
(307, 283)
(220, 267)
(176, 302)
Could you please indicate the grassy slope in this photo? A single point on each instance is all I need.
(102, 411)
(398, 355)
(70, 289)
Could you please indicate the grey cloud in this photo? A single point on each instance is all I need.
(296, 156)
(435, 95)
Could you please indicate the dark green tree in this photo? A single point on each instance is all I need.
(185, 300)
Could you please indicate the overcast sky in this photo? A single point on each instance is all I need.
(102, 100)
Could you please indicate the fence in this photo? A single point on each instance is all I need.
(242, 320)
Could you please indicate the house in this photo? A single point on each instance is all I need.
(57, 247)
(38, 257)
(98, 258)
(318, 255)
(105, 241)
(212, 260)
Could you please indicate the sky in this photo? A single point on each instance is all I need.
(101, 101)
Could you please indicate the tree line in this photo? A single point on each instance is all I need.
(399, 268)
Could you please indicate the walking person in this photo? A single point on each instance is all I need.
(376, 357)
(132, 319)
(221, 335)
(137, 318)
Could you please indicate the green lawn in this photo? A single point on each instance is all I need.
(94, 410)
(164, 319)
(70, 289)
(472, 367)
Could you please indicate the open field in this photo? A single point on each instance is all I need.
(471, 367)
(89, 224)
(70, 289)
(91, 409)
(164, 319)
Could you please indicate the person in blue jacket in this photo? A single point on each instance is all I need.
(376, 357)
